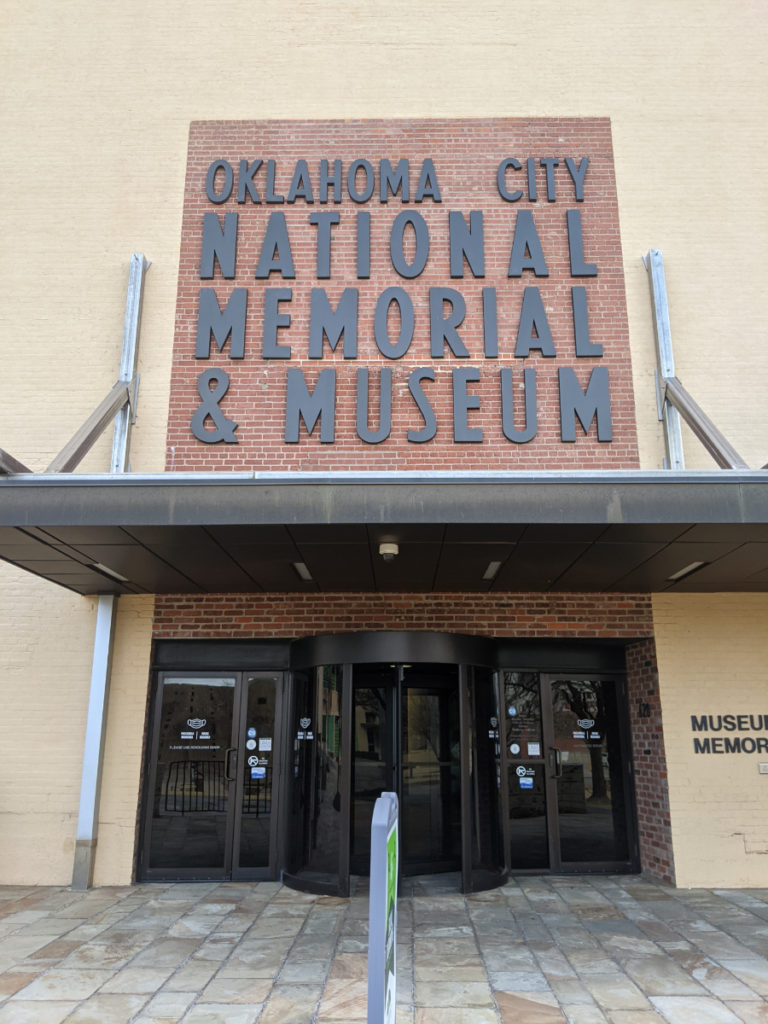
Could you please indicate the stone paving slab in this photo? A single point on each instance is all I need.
(539, 950)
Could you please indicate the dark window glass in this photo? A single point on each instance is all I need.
(191, 801)
(590, 787)
(526, 771)
(256, 767)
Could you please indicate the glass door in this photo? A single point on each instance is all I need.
(430, 770)
(406, 740)
(374, 753)
(588, 773)
(568, 774)
(209, 811)
(431, 732)
(529, 828)
(255, 836)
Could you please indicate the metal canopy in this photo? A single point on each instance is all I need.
(625, 531)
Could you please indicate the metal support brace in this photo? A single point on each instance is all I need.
(9, 465)
(96, 727)
(673, 399)
(126, 416)
(718, 446)
(93, 754)
(673, 435)
(79, 446)
(120, 403)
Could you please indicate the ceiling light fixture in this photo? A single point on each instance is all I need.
(388, 550)
(685, 571)
(302, 571)
(109, 572)
(492, 570)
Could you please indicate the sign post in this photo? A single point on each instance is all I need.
(382, 914)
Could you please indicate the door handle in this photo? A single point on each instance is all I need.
(230, 758)
(555, 762)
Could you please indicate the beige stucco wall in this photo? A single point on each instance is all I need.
(45, 684)
(98, 99)
(713, 660)
(97, 103)
(45, 678)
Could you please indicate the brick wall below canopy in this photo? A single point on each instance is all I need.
(222, 616)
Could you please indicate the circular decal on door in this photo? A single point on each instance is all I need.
(250, 744)
(514, 748)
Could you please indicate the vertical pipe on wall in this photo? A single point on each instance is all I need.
(93, 755)
(96, 725)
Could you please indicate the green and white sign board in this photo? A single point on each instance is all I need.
(382, 912)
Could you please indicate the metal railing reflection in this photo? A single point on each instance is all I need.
(257, 794)
(194, 787)
(202, 787)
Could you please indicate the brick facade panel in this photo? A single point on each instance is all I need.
(230, 616)
(466, 156)
(650, 762)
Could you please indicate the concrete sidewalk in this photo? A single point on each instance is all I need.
(584, 949)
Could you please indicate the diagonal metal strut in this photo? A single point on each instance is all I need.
(119, 405)
(675, 401)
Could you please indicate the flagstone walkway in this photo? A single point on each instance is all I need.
(540, 950)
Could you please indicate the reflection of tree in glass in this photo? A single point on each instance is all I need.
(586, 700)
(370, 707)
(422, 726)
(521, 692)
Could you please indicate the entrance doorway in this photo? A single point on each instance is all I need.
(406, 740)
(274, 773)
(213, 776)
(568, 773)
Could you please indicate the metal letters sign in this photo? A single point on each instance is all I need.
(382, 917)
(354, 295)
(725, 733)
